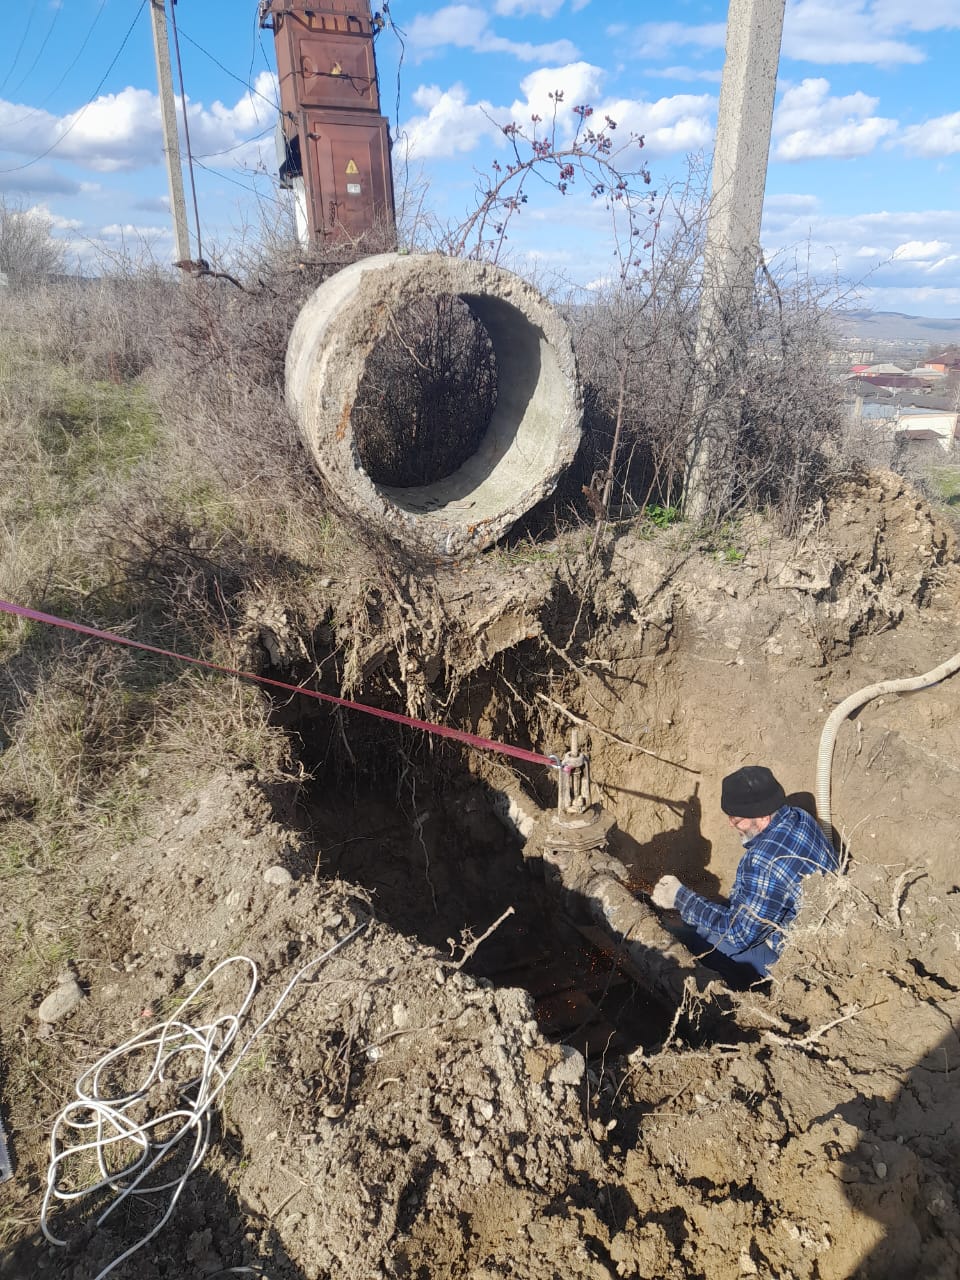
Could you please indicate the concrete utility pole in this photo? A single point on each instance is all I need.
(745, 119)
(171, 138)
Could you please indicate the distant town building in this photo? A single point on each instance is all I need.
(927, 426)
(947, 362)
(907, 426)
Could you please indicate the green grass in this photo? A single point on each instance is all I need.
(67, 438)
(40, 950)
(945, 485)
(91, 432)
(661, 517)
(727, 543)
(528, 552)
(205, 504)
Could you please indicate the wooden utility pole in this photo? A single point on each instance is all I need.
(171, 138)
(744, 122)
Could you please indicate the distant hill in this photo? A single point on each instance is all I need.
(871, 327)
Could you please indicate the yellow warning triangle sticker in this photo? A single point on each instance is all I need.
(352, 167)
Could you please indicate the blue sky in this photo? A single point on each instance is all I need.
(864, 178)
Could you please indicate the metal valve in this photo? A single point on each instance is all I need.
(574, 799)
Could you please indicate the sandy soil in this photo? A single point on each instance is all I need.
(403, 1117)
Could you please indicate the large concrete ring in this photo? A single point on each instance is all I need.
(535, 428)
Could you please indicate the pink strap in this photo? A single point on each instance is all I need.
(442, 731)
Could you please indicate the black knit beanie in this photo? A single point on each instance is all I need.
(751, 792)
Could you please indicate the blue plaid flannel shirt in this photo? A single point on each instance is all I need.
(766, 888)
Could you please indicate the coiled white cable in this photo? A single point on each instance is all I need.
(111, 1126)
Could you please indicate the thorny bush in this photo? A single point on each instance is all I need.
(636, 345)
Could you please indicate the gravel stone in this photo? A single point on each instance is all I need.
(278, 876)
(61, 1002)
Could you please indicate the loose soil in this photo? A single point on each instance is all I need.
(405, 1114)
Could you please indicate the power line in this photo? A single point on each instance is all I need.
(93, 97)
(77, 56)
(23, 40)
(253, 57)
(39, 54)
(399, 33)
(206, 155)
(232, 74)
(266, 60)
(244, 186)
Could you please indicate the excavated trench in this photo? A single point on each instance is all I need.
(405, 820)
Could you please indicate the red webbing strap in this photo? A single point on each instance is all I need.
(440, 730)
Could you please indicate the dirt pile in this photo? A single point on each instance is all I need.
(399, 1117)
(395, 1116)
(827, 1147)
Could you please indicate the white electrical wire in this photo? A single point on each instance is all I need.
(109, 1121)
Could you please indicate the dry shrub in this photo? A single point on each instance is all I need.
(71, 723)
(29, 251)
(106, 329)
(788, 407)
(209, 722)
(146, 489)
(427, 394)
(636, 342)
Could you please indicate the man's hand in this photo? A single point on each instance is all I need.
(664, 892)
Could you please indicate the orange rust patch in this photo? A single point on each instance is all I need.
(344, 421)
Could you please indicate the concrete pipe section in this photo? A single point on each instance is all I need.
(533, 433)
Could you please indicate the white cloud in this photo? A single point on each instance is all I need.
(466, 26)
(121, 132)
(789, 204)
(130, 231)
(56, 220)
(153, 204)
(520, 8)
(45, 214)
(657, 39)
(684, 73)
(884, 250)
(39, 179)
(920, 250)
(684, 122)
(937, 137)
(842, 31)
(826, 32)
(810, 123)
(580, 83)
(452, 124)
(931, 15)
(918, 300)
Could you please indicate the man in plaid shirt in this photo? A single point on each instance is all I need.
(783, 845)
